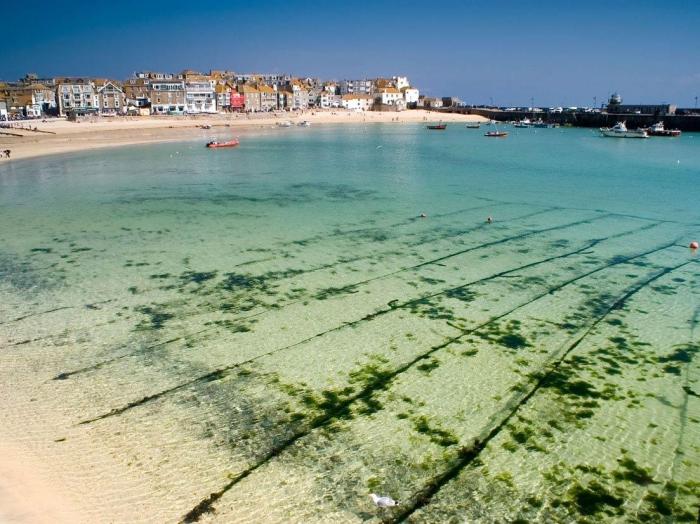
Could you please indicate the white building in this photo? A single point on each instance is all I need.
(329, 100)
(357, 102)
(200, 97)
(400, 82)
(410, 95)
(390, 96)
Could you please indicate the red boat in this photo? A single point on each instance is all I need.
(231, 143)
(439, 127)
(496, 133)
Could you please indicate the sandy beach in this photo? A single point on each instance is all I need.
(56, 136)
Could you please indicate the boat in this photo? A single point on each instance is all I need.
(305, 123)
(658, 129)
(438, 127)
(286, 123)
(525, 122)
(205, 126)
(230, 143)
(496, 133)
(620, 130)
(472, 125)
(543, 125)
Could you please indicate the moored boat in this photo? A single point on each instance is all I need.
(230, 143)
(525, 122)
(439, 127)
(472, 125)
(658, 129)
(497, 134)
(620, 130)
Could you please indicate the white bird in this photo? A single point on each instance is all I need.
(383, 502)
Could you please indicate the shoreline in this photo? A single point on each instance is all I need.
(58, 136)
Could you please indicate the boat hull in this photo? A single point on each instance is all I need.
(665, 132)
(623, 134)
(234, 143)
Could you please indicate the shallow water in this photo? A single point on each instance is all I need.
(276, 325)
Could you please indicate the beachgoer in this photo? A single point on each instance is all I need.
(7, 153)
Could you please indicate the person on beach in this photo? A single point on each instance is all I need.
(7, 153)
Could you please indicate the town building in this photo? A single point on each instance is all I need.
(251, 97)
(167, 97)
(223, 96)
(364, 87)
(400, 82)
(237, 102)
(110, 97)
(76, 95)
(268, 98)
(357, 102)
(410, 96)
(390, 96)
(199, 93)
(429, 102)
(136, 92)
(328, 100)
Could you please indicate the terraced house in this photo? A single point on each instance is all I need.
(76, 95)
(167, 97)
(110, 96)
(199, 94)
(268, 98)
(32, 100)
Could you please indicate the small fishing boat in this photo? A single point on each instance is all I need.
(230, 143)
(305, 123)
(472, 125)
(439, 127)
(286, 123)
(658, 129)
(496, 133)
(525, 122)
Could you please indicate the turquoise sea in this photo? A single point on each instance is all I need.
(271, 333)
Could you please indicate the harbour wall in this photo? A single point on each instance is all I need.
(581, 119)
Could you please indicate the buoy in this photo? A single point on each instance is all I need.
(694, 244)
(423, 215)
(489, 220)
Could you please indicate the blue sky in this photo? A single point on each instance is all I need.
(557, 52)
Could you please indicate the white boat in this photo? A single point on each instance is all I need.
(472, 125)
(525, 122)
(658, 129)
(287, 123)
(305, 123)
(620, 130)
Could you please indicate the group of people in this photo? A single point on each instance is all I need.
(5, 153)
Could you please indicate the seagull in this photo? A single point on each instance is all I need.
(383, 502)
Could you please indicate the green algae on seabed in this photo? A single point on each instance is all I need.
(191, 333)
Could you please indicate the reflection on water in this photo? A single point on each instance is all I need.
(272, 333)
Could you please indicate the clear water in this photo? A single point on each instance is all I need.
(275, 324)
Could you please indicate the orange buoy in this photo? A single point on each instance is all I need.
(694, 244)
